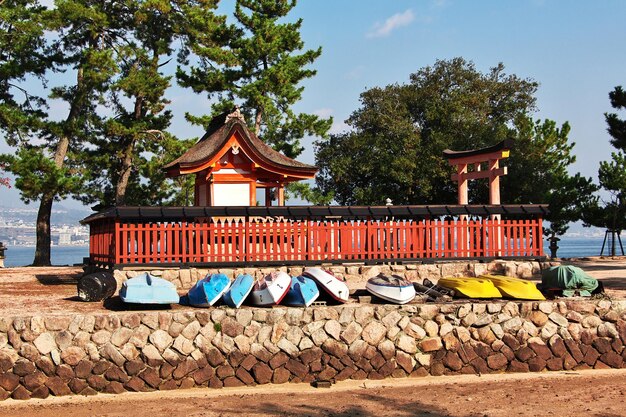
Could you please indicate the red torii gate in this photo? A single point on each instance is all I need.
(473, 159)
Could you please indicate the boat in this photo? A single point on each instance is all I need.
(470, 287)
(208, 290)
(239, 291)
(271, 289)
(302, 292)
(332, 285)
(515, 287)
(391, 288)
(147, 289)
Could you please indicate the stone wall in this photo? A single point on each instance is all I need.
(184, 278)
(163, 350)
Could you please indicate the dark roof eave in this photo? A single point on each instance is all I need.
(505, 144)
(179, 213)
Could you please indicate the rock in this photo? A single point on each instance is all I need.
(431, 344)
(351, 333)
(558, 319)
(23, 367)
(546, 307)
(538, 318)
(497, 361)
(120, 336)
(152, 355)
(9, 381)
(590, 322)
(161, 340)
(262, 373)
(45, 343)
(452, 361)
(406, 344)
(373, 333)
(72, 355)
(335, 348)
(333, 328)
(57, 386)
(483, 320)
(548, 330)
(431, 328)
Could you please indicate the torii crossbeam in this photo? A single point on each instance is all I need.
(466, 160)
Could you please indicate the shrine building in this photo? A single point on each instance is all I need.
(231, 163)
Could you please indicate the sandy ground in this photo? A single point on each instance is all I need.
(585, 393)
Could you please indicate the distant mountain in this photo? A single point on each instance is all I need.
(28, 214)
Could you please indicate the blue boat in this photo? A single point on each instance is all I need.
(302, 292)
(146, 289)
(239, 291)
(208, 290)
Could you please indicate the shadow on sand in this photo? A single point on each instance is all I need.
(56, 279)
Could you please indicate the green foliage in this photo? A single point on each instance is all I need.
(399, 133)
(261, 70)
(538, 173)
(612, 175)
(394, 149)
(617, 126)
(38, 172)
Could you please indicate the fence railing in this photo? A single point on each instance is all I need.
(244, 240)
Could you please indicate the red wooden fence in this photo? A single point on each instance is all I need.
(245, 240)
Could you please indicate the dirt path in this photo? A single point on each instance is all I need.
(585, 393)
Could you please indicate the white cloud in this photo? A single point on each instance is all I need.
(339, 127)
(324, 113)
(392, 23)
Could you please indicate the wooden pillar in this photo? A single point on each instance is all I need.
(462, 181)
(494, 182)
(268, 196)
(281, 194)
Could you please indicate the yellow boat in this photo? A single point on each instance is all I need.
(515, 287)
(470, 287)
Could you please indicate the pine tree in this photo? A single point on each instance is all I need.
(82, 34)
(261, 71)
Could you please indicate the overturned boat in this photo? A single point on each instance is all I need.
(271, 289)
(208, 290)
(302, 292)
(515, 287)
(393, 288)
(148, 289)
(239, 291)
(332, 285)
(470, 287)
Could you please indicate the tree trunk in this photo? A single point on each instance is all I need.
(257, 122)
(122, 183)
(42, 250)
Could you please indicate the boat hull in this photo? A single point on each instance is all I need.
(239, 291)
(470, 287)
(393, 289)
(517, 288)
(146, 289)
(208, 290)
(397, 295)
(333, 286)
(302, 292)
(271, 290)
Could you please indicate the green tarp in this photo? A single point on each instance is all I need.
(570, 279)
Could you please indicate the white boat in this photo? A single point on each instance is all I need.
(271, 289)
(394, 288)
(334, 286)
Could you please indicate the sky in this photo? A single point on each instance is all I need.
(574, 49)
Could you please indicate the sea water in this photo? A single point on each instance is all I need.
(59, 255)
(70, 255)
